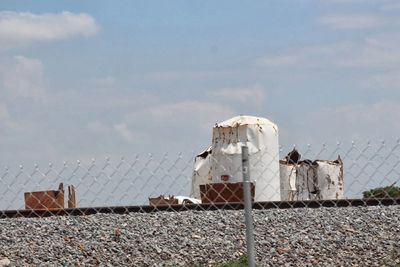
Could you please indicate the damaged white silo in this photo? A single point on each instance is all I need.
(311, 180)
(261, 137)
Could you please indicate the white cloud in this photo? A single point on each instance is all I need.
(376, 52)
(20, 28)
(250, 95)
(373, 52)
(123, 130)
(24, 78)
(309, 56)
(382, 115)
(360, 122)
(98, 127)
(188, 119)
(388, 80)
(136, 137)
(200, 114)
(173, 127)
(354, 21)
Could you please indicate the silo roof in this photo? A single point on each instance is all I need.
(245, 120)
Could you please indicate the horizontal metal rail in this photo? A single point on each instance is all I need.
(200, 207)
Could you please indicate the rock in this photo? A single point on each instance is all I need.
(293, 237)
(5, 262)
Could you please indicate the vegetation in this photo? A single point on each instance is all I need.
(242, 262)
(383, 192)
(393, 259)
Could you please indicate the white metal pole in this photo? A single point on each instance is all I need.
(248, 207)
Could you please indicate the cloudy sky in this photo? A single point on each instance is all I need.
(89, 79)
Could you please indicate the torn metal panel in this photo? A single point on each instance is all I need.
(314, 180)
(261, 137)
(306, 180)
(201, 172)
(330, 183)
(293, 157)
(288, 175)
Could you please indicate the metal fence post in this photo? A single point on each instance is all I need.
(248, 207)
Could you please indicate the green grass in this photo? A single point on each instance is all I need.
(242, 262)
(393, 259)
(388, 191)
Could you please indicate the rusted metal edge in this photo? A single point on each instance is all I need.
(200, 207)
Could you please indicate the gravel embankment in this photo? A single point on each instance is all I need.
(368, 236)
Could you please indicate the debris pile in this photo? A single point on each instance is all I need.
(310, 180)
(172, 200)
(217, 173)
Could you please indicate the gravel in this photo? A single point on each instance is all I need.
(363, 236)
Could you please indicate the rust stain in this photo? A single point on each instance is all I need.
(50, 199)
(223, 192)
(45, 200)
(308, 176)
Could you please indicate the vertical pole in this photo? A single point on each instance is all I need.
(248, 207)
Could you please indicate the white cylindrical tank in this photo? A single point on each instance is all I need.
(261, 137)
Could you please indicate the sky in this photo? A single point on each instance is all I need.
(90, 79)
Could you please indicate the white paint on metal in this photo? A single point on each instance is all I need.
(314, 180)
(305, 175)
(287, 180)
(288, 175)
(329, 180)
(261, 137)
(201, 172)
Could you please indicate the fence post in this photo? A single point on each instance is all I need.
(248, 207)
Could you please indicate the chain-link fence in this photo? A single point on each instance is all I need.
(342, 174)
(304, 173)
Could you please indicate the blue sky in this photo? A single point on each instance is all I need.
(89, 79)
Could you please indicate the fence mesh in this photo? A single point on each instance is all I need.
(328, 172)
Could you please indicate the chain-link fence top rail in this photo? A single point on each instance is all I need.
(129, 182)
